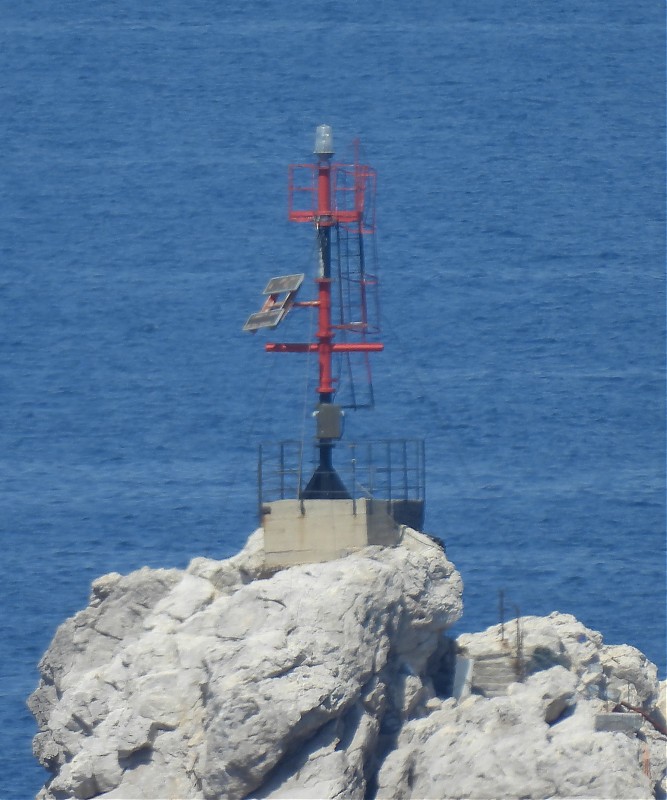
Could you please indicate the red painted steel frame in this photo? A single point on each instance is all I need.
(313, 347)
(325, 216)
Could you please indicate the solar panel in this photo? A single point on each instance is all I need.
(264, 319)
(284, 283)
(275, 308)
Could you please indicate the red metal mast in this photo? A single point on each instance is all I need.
(338, 198)
(325, 215)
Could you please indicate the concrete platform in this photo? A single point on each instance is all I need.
(623, 722)
(307, 531)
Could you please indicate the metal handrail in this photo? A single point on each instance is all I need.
(369, 469)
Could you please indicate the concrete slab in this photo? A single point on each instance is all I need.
(302, 532)
(619, 721)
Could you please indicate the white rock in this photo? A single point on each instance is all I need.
(226, 576)
(186, 598)
(221, 679)
(224, 681)
(503, 748)
(553, 692)
(630, 675)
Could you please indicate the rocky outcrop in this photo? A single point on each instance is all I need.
(221, 681)
(608, 672)
(334, 680)
(516, 746)
(542, 736)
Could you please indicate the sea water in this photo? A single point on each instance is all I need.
(520, 149)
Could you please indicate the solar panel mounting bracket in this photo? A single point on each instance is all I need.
(275, 306)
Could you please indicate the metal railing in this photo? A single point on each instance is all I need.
(388, 469)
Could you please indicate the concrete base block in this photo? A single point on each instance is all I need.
(302, 532)
(622, 722)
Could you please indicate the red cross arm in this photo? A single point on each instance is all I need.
(339, 347)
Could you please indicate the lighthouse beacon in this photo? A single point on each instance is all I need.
(321, 499)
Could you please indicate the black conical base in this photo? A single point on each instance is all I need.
(325, 484)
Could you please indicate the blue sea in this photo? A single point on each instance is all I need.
(520, 148)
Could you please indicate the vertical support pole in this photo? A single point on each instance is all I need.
(324, 331)
(299, 477)
(324, 337)
(371, 469)
(301, 505)
(259, 484)
(423, 466)
(354, 479)
(389, 494)
(405, 470)
(501, 613)
(323, 227)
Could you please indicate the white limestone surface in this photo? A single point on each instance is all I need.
(221, 681)
(330, 680)
(540, 739)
